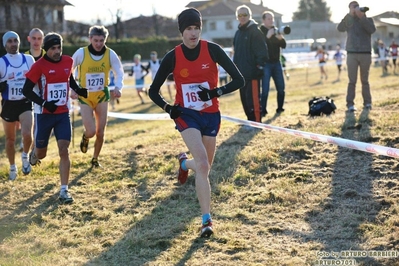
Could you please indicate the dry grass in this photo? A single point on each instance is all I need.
(276, 199)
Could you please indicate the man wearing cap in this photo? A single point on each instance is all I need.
(358, 29)
(94, 63)
(54, 72)
(195, 110)
(15, 106)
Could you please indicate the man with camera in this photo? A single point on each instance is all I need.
(273, 69)
(358, 46)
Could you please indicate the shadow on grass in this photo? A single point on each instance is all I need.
(23, 215)
(337, 223)
(271, 119)
(316, 83)
(149, 236)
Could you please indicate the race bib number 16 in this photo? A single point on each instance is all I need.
(190, 96)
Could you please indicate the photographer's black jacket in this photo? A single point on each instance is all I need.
(273, 45)
(250, 50)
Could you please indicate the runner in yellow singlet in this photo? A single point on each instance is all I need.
(94, 63)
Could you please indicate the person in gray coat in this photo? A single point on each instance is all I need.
(358, 47)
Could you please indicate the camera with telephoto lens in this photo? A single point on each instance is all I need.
(364, 9)
(282, 30)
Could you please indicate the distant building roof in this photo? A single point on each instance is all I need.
(390, 17)
(196, 4)
(146, 26)
(391, 21)
(388, 14)
(227, 7)
(40, 2)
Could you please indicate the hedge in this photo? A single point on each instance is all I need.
(126, 49)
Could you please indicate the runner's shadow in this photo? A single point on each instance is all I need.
(337, 224)
(28, 211)
(317, 83)
(149, 235)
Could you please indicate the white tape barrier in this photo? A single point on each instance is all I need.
(136, 116)
(316, 64)
(146, 86)
(312, 63)
(293, 60)
(289, 65)
(352, 144)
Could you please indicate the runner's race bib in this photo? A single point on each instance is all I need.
(15, 90)
(57, 91)
(190, 96)
(95, 81)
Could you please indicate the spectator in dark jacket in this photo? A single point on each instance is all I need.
(358, 29)
(250, 55)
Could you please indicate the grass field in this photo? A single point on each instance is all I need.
(276, 199)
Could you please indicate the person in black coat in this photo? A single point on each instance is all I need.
(250, 55)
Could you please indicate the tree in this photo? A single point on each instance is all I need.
(313, 10)
(117, 18)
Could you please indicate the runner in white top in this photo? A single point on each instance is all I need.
(15, 107)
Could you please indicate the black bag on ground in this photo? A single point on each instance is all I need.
(321, 106)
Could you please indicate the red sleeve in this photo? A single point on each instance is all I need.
(34, 73)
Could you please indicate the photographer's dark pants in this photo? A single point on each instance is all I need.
(250, 99)
(356, 62)
(275, 71)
